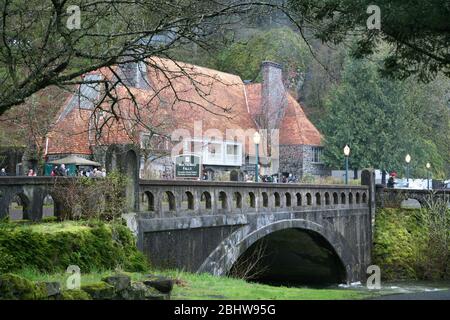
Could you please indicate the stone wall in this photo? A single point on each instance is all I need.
(291, 159)
(297, 159)
(309, 167)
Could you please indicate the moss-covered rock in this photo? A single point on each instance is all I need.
(52, 288)
(74, 295)
(100, 291)
(120, 282)
(162, 284)
(13, 287)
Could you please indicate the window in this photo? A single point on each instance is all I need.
(232, 149)
(317, 154)
(214, 149)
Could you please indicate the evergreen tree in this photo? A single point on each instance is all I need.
(382, 120)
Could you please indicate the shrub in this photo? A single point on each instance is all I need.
(96, 247)
(406, 247)
(86, 198)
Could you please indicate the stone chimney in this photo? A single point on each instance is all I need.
(273, 95)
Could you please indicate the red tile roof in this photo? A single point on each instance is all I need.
(295, 126)
(180, 95)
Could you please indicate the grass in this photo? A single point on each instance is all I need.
(50, 227)
(208, 287)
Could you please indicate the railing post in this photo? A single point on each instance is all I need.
(368, 179)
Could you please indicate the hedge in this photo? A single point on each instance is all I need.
(99, 246)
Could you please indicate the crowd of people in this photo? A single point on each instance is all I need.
(62, 170)
(272, 179)
(95, 173)
(91, 173)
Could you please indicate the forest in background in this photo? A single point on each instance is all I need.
(347, 98)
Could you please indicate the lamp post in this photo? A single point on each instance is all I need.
(408, 160)
(428, 175)
(346, 154)
(257, 140)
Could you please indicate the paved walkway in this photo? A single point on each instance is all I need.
(433, 295)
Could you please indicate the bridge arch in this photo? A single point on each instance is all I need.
(222, 259)
(23, 206)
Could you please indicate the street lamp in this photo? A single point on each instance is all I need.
(408, 160)
(257, 140)
(346, 153)
(428, 175)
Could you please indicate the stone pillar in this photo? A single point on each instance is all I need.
(368, 179)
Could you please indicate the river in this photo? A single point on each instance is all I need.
(398, 289)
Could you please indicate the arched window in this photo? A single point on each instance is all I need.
(335, 198)
(188, 200)
(342, 198)
(276, 196)
(358, 198)
(318, 202)
(18, 207)
(299, 199)
(48, 206)
(251, 200)
(223, 200)
(288, 199)
(205, 200)
(265, 199)
(327, 199)
(168, 202)
(308, 199)
(150, 201)
(350, 198)
(237, 199)
(364, 198)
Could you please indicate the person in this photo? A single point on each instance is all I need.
(54, 172)
(62, 170)
(31, 173)
(291, 178)
(391, 181)
(3, 172)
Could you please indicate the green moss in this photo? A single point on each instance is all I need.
(52, 247)
(14, 287)
(99, 290)
(74, 295)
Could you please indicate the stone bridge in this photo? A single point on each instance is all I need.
(394, 197)
(211, 226)
(309, 230)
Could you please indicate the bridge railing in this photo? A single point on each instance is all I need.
(390, 197)
(162, 199)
